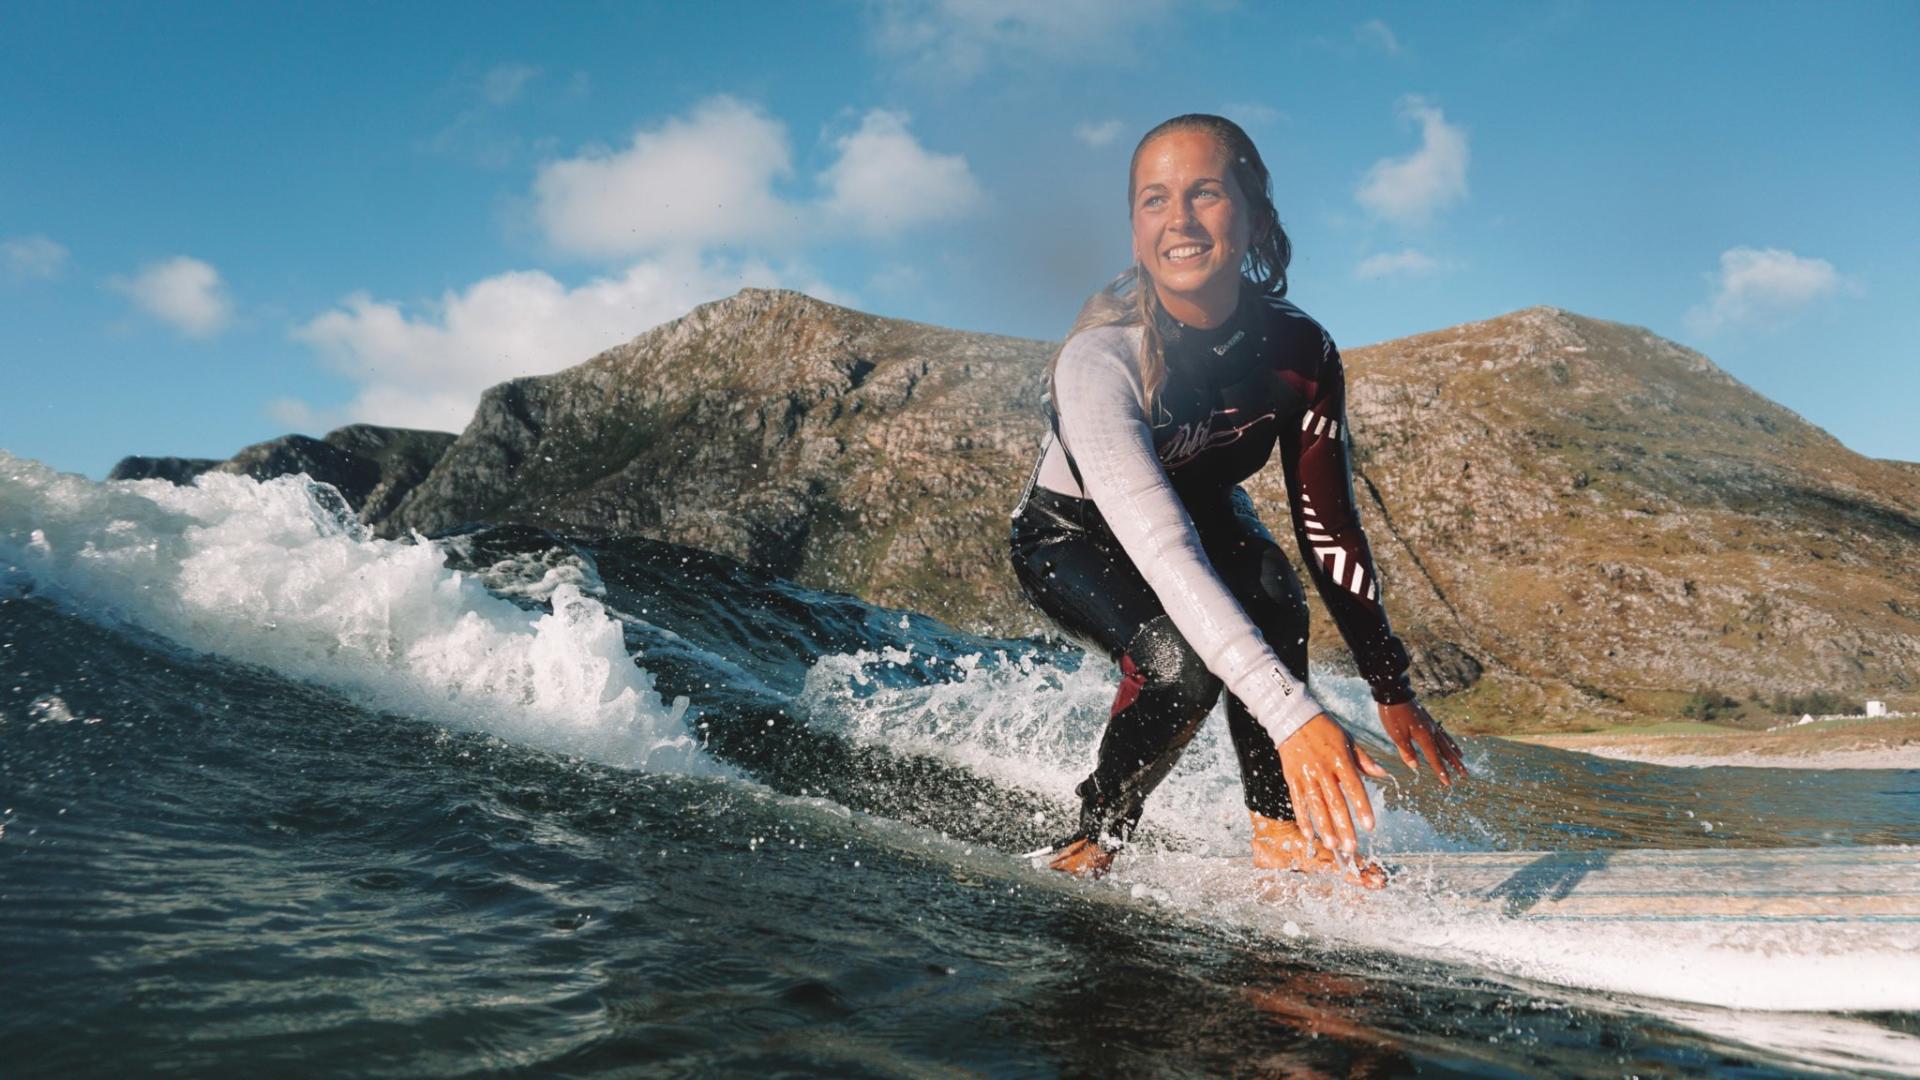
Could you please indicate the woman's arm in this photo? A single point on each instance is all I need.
(1104, 428)
(1326, 524)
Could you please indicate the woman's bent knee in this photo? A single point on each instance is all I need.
(1166, 663)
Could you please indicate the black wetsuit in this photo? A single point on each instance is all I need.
(1218, 600)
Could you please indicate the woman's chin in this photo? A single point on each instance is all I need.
(1203, 286)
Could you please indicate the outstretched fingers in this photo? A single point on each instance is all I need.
(1403, 741)
(1346, 773)
(1307, 811)
(1452, 751)
(1423, 735)
(1344, 839)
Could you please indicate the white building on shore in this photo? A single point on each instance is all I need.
(1875, 710)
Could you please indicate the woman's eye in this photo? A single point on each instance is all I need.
(1152, 201)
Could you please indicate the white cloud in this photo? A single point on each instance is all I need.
(1099, 134)
(704, 180)
(960, 39)
(1411, 189)
(708, 180)
(1761, 286)
(427, 369)
(34, 257)
(1379, 35)
(1251, 114)
(182, 292)
(885, 181)
(1406, 261)
(504, 82)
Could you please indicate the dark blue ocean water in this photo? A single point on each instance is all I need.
(276, 798)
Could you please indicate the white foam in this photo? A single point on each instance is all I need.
(1773, 991)
(271, 574)
(276, 574)
(1037, 727)
(1741, 965)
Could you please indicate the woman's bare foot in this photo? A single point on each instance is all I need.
(1279, 845)
(1082, 858)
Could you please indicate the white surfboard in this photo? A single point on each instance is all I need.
(1817, 929)
(1863, 885)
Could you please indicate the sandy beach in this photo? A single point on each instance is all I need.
(1848, 743)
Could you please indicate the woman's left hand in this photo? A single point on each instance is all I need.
(1409, 725)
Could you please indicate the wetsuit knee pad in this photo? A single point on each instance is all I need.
(1167, 663)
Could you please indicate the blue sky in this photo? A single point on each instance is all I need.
(219, 223)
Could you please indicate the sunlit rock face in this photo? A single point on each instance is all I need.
(1576, 520)
(1604, 520)
(870, 455)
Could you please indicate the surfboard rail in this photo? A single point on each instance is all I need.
(1829, 884)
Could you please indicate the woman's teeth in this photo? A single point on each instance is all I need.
(1189, 251)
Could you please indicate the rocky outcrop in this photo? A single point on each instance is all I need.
(288, 455)
(1607, 521)
(372, 467)
(1443, 667)
(177, 470)
(403, 457)
(1577, 521)
(851, 452)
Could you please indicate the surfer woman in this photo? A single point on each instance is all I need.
(1175, 385)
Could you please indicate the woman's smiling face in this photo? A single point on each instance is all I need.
(1191, 227)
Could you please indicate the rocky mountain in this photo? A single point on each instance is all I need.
(178, 470)
(847, 451)
(1608, 522)
(373, 467)
(1577, 522)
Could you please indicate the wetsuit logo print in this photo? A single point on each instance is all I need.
(1189, 441)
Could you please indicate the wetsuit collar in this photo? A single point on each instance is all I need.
(1224, 340)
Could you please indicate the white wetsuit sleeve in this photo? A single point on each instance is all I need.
(1103, 425)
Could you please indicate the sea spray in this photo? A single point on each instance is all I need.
(1732, 963)
(1033, 722)
(280, 575)
(1036, 726)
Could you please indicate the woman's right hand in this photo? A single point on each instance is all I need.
(1322, 767)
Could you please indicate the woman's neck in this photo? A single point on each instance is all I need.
(1204, 311)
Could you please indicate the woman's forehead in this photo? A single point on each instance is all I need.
(1180, 155)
